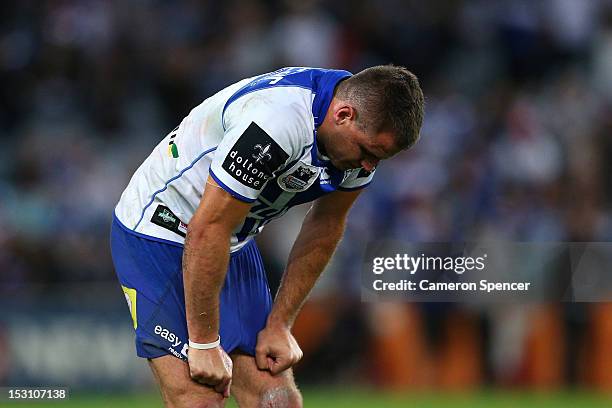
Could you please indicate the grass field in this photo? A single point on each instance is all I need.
(336, 398)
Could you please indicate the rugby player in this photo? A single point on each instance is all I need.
(182, 233)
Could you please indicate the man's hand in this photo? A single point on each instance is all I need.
(211, 367)
(276, 349)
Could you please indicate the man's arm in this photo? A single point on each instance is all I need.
(205, 260)
(321, 231)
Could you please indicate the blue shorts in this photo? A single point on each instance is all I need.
(150, 273)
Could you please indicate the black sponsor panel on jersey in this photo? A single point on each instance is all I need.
(165, 218)
(254, 157)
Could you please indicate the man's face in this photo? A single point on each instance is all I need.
(351, 148)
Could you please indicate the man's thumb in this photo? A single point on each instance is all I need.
(261, 360)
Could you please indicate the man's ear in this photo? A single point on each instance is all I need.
(344, 113)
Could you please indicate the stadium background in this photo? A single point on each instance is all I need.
(516, 146)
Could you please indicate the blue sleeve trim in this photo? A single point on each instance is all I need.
(229, 190)
(354, 188)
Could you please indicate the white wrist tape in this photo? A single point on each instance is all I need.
(205, 346)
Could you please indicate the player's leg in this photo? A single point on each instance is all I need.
(256, 388)
(248, 288)
(177, 388)
(150, 274)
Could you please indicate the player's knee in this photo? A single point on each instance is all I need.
(186, 398)
(195, 402)
(281, 397)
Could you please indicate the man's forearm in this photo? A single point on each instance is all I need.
(310, 254)
(205, 260)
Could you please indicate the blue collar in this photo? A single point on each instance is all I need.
(324, 84)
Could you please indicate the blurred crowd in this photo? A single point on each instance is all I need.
(515, 146)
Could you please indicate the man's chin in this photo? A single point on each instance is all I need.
(336, 164)
(341, 165)
(351, 167)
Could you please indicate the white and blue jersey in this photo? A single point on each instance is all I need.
(257, 140)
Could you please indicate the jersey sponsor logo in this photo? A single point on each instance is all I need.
(299, 178)
(182, 355)
(166, 215)
(165, 218)
(168, 335)
(262, 153)
(254, 158)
